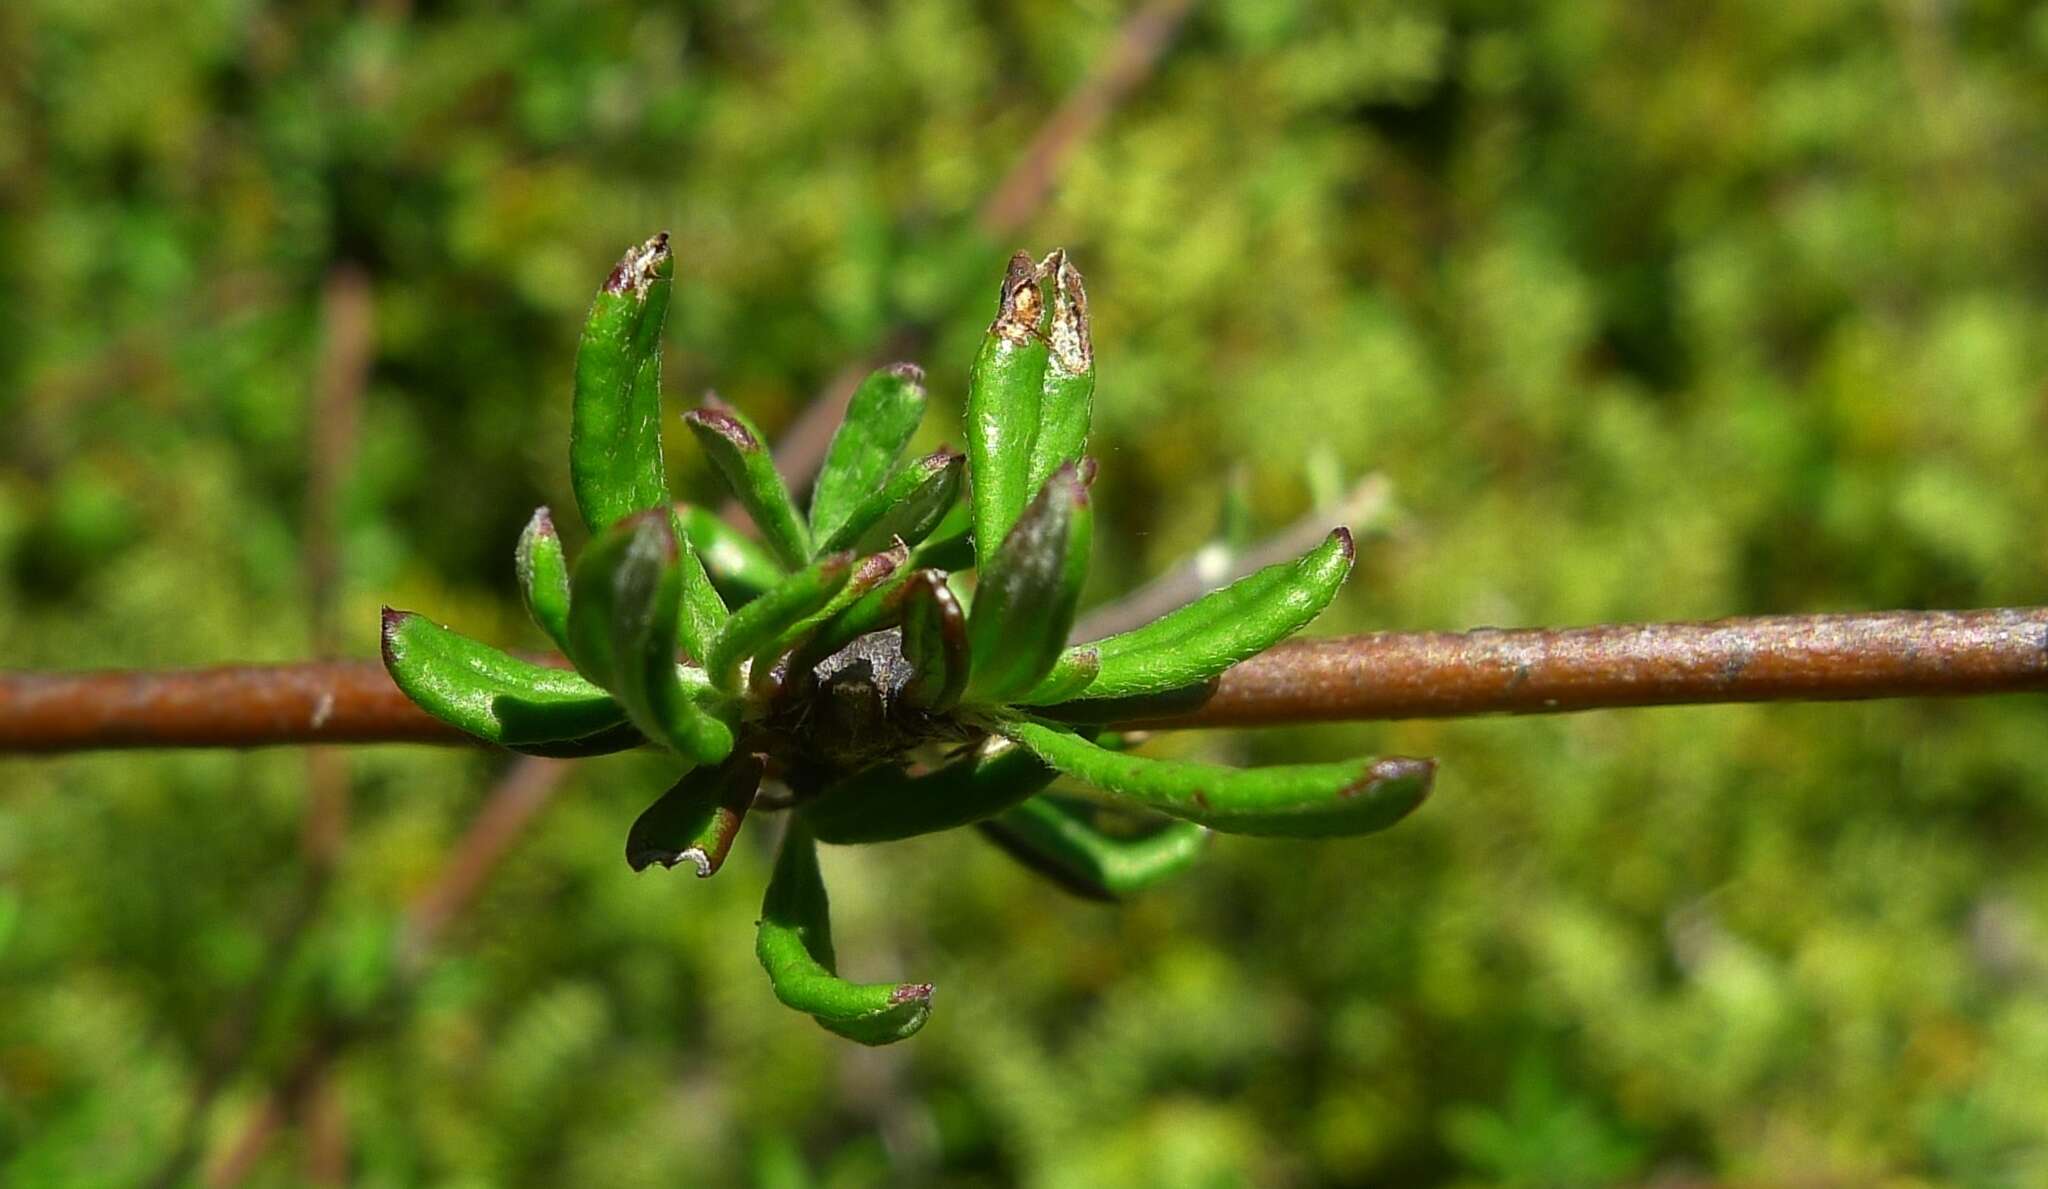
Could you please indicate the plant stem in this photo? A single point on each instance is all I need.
(1782, 658)
(1385, 675)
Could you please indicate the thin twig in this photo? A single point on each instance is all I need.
(517, 798)
(340, 376)
(1128, 62)
(347, 350)
(1785, 658)
(1386, 675)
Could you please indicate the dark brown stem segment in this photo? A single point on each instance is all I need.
(1387, 675)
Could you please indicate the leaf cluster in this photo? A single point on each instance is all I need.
(895, 655)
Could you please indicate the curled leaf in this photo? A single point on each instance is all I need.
(934, 642)
(698, 818)
(794, 945)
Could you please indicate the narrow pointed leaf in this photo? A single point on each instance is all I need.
(762, 623)
(884, 803)
(544, 577)
(934, 642)
(1292, 801)
(1025, 596)
(615, 463)
(489, 693)
(1057, 837)
(1216, 631)
(738, 566)
(698, 818)
(625, 612)
(794, 946)
(1002, 405)
(741, 456)
(880, 419)
(906, 507)
(1067, 395)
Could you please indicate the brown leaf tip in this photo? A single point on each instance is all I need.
(911, 993)
(908, 372)
(1392, 769)
(637, 269)
(394, 621)
(1021, 303)
(716, 417)
(1345, 543)
(543, 523)
(1073, 350)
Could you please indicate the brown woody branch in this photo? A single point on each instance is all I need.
(1386, 675)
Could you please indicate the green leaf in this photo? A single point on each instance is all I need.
(488, 693)
(1067, 395)
(624, 615)
(766, 622)
(1074, 672)
(1292, 801)
(880, 419)
(1057, 837)
(698, 818)
(884, 803)
(703, 612)
(615, 421)
(1024, 597)
(906, 507)
(737, 565)
(544, 577)
(1002, 405)
(795, 948)
(1216, 631)
(934, 642)
(742, 458)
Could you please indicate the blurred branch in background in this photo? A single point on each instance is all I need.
(1384, 675)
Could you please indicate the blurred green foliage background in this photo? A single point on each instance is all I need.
(1649, 311)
